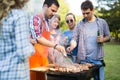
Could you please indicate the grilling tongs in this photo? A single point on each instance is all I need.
(67, 58)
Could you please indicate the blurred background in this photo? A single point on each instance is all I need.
(107, 9)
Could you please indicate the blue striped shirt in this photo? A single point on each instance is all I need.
(15, 46)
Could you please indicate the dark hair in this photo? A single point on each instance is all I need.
(72, 15)
(50, 2)
(87, 5)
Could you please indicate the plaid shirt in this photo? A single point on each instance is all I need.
(36, 25)
(78, 36)
(15, 47)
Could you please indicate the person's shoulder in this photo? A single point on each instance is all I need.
(34, 16)
(101, 19)
(80, 23)
(66, 31)
(19, 13)
(35, 20)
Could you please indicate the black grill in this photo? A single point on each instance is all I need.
(83, 75)
(56, 75)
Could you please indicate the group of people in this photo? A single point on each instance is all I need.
(33, 42)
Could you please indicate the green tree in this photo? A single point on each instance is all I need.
(112, 15)
(63, 10)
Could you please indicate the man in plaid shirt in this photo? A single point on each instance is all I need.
(39, 26)
(15, 47)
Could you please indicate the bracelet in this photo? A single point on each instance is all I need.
(55, 46)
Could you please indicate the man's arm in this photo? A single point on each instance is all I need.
(106, 33)
(45, 42)
(48, 43)
(103, 39)
(73, 44)
(106, 38)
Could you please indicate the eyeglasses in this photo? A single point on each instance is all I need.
(86, 13)
(69, 21)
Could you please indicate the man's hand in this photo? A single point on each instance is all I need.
(73, 44)
(33, 41)
(100, 39)
(69, 49)
(61, 49)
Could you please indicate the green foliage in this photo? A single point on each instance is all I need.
(112, 15)
(63, 10)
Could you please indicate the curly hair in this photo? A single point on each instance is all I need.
(7, 5)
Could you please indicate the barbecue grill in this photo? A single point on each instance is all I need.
(56, 75)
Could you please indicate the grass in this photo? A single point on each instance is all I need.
(112, 57)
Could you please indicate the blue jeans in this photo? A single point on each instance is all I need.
(100, 76)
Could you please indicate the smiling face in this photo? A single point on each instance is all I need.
(55, 23)
(70, 21)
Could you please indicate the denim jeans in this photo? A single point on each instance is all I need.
(100, 76)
